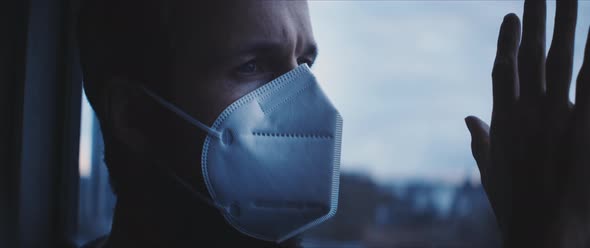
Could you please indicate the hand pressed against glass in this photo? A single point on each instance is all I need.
(534, 160)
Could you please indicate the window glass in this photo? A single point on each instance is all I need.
(96, 200)
(404, 75)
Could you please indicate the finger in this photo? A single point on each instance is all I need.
(480, 142)
(561, 54)
(504, 73)
(531, 56)
(583, 83)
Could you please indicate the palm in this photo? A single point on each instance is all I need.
(526, 171)
(534, 158)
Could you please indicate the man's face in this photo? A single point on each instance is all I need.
(224, 52)
(244, 45)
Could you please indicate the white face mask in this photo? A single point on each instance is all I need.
(271, 159)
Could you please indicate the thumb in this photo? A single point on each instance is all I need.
(480, 142)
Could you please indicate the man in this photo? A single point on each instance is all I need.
(155, 70)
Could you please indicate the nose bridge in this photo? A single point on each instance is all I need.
(291, 44)
(289, 64)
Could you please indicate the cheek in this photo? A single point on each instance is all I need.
(183, 140)
(205, 92)
(173, 142)
(222, 94)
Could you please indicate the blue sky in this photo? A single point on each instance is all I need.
(404, 74)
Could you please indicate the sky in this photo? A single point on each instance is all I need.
(404, 75)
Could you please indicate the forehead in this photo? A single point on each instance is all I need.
(225, 25)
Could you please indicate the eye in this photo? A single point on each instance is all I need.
(248, 67)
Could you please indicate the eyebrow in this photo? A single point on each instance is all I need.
(253, 47)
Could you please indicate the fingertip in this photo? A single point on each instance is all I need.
(470, 122)
(471, 118)
(511, 17)
(514, 20)
(509, 36)
(479, 141)
(476, 126)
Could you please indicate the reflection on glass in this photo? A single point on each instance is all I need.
(96, 200)
(85, 154)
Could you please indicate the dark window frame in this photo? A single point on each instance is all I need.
(41, 81)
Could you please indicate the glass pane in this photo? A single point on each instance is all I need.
(404, 75)
(95, 210)
(86, 125)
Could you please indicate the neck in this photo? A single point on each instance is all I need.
(153, 210)
(170, 217)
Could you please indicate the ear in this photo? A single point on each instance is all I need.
(125, 114)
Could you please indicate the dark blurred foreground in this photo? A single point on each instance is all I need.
(415, 214)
